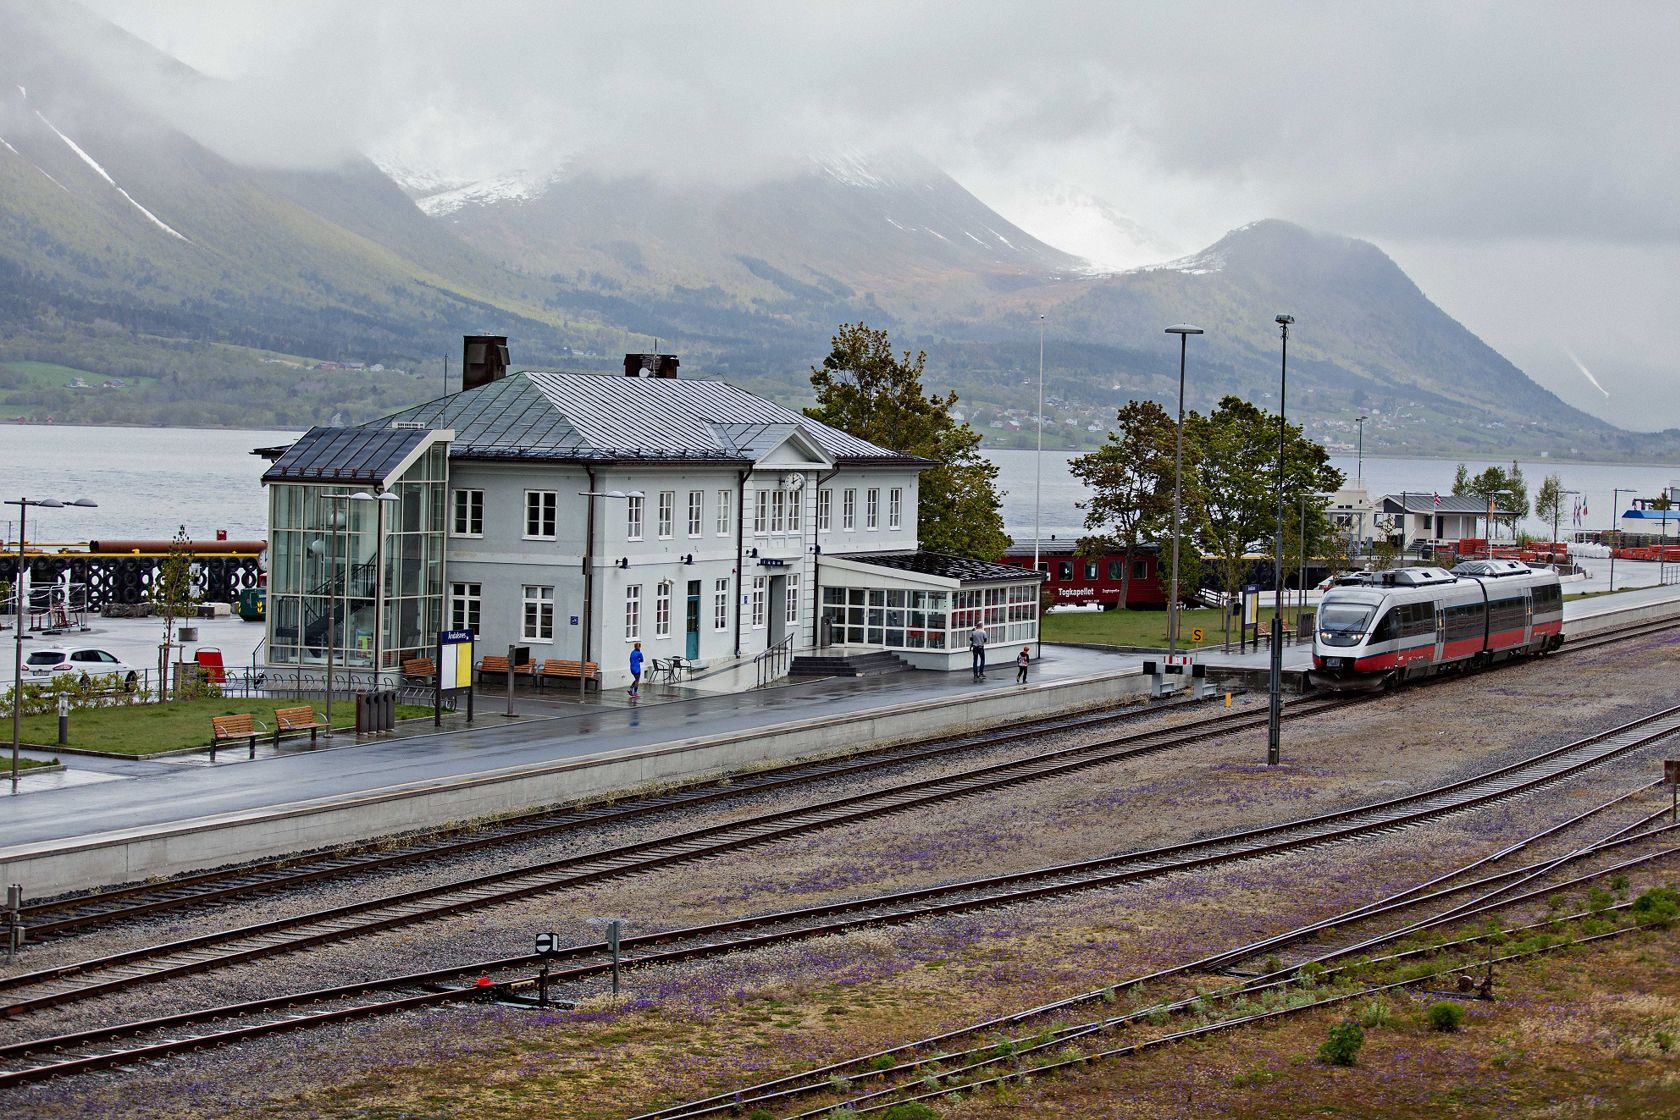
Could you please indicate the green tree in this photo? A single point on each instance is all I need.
(1131, 479)
(1507, 490)
(173, 595)
(1548, 501)
(1237, 480)
(863, 389)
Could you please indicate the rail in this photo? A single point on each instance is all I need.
(772, 664)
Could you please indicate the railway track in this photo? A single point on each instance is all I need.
(75, 914)
(55, 918)
(31, 991)
(31, 1060)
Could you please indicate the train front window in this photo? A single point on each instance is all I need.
(1342, 624)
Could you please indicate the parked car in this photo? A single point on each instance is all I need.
(90, 663)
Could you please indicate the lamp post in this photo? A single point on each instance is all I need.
(1362, 497)
(1038, 460)
(334, 601)
(1274, 719)
(1183, 331)
(1615, 521)
(384, 498)
(589, 573)
(23, 505)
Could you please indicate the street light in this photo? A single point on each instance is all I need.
(1183, 331)
(1363, 499)
(23, 505)
(384, 498)
(589, 573)
(1615, 522)
(1038, 461)
(332, 605)
(1274, 720)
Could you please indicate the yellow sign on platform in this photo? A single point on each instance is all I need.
(1197, 634)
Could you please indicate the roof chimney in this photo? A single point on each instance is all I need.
(484, 358)
(650, 365)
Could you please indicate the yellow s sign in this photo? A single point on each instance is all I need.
(1196, 635)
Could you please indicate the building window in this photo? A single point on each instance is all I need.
(796, 511)
(662, 610)
(633, 518)
(778, 507)
(720, 605)
(848, 510)
(540, 508)
(758, 602)
(633, 612)
(465, 601)
(469, 514)
(696, 511)
(539, 614)
(724, 528)
(895, 508)
(761, 513)
(825, 510)
(793, 597)
(872, 510)
(667, 513)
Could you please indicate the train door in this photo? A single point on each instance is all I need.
(1528, 615)
(1440, 632)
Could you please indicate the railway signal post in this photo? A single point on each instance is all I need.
(1274, 750)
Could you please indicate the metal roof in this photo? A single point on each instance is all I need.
(1424, 502)
(568, 416)
(949, 567)
(346, 456)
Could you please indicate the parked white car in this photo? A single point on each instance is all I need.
(88, 662)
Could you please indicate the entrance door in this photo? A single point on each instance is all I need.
(778, 608)
(692, 627)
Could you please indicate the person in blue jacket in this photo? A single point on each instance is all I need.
(636, 670)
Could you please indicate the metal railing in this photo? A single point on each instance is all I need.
(772, 664)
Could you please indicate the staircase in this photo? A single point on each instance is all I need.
(877, 664)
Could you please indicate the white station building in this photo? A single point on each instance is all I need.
(575, 514)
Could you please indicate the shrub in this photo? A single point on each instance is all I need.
(1343, 1045)
(1599, 899)
(1657, 907)
(1444, 1015)
(909, 1110)
(1309, 975)
(761, 1114)
(1619, 884)
(882, 1062)
(1375, 1014)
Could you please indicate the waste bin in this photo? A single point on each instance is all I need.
(376, 711)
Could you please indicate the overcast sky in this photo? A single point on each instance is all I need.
(1519, 160)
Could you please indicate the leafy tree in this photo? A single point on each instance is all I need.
(1131, 478)
(863, 389)
(1507, 490)
(173, 594)
(1237, 480)
(1548, 501)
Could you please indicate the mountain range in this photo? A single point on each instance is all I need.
(212, 289)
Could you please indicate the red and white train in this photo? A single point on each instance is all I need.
(1375, 629)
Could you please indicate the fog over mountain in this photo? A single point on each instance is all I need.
(738, 179)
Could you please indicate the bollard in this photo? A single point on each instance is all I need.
(63, 719)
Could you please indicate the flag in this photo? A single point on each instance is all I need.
(1437, 499)
(1583, 508)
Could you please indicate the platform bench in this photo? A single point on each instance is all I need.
(419, 669)
(296, 720)
(226, 728)
(568, 670)
(498, 667)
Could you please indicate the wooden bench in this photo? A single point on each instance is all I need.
(419, 669)
(225, 728)
(296, 720)
(498, 667)
(567, 670)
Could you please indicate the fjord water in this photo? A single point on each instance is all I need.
(147, 481)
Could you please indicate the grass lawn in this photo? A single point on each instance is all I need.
(145, 729)
(1146, 628)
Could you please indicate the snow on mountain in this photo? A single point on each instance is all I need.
(1077, 221)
